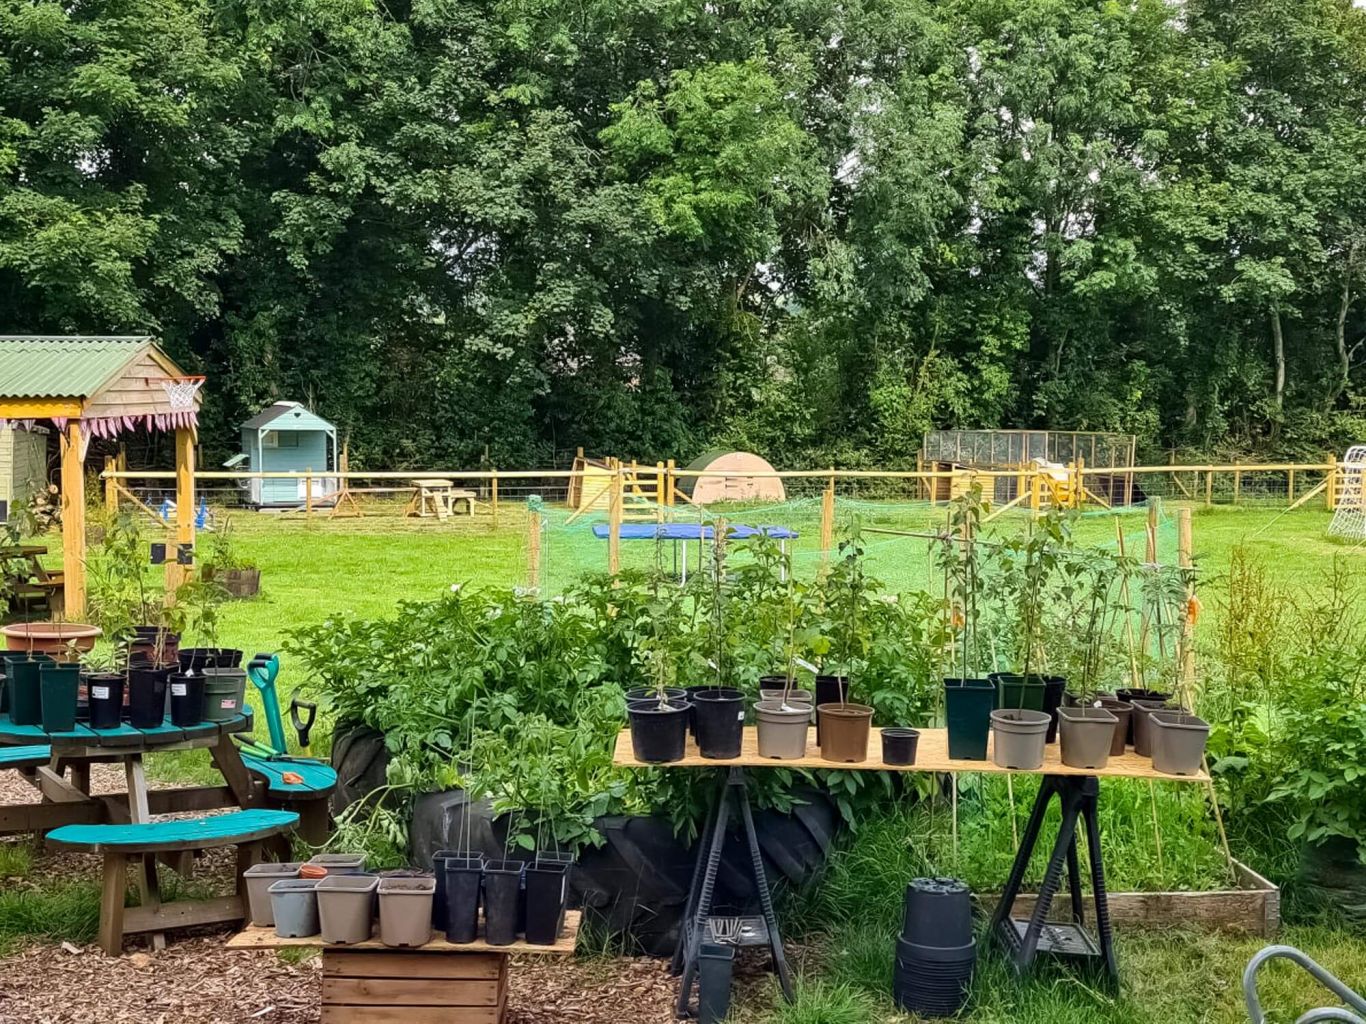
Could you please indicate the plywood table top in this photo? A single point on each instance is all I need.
(253, 937)
(932, 755)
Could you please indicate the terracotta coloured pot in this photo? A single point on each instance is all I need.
(844, 732)
(49, 637)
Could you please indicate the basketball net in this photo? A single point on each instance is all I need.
(180, 391)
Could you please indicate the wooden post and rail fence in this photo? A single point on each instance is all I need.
(654, 491)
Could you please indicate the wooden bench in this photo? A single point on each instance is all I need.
(31, 756)
(307, 797)
(121, 843)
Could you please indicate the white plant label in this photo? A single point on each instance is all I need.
(178, 689)
(99, 692)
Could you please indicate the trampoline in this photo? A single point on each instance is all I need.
(682, 533)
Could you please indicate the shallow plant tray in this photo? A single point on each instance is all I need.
(265, 938)
(1065, 941)
(753, 931)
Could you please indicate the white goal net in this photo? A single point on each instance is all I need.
(1349, 518)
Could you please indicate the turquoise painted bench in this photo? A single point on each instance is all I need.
(31, 756)
(141, 843)
(307, 797)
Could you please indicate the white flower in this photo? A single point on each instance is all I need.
(455, 587)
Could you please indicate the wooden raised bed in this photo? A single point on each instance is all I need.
(1254, 908)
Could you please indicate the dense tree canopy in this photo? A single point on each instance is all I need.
(810, 228)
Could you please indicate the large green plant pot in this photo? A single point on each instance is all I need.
(59, 686)
(968, 704)
(21, 680)
(1017, 692)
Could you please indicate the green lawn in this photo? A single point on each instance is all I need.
(365, 567)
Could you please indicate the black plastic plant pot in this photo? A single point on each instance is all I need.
(187, 698)
(547, 893)
(1019, 693)
(650, 693)
(690, 695)
(715, 966)
(968, 704)
(899, 745)
(1053, 689)
(461, 880)
(720, 714)
(830, 690)
(502, 895)
(106, 700)
(658, 733)
(58, 686)
(937, 912)
(21, 680)
(199, 658)
(147, 697)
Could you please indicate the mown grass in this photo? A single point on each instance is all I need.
(1168, 977)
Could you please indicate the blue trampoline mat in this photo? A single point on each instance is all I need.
(690, 531)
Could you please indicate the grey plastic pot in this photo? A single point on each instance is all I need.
(259, 878)
(346, 907)
(294, 902)
(1018, 738)
(794, 696)
(224, 692)
(1178, 741)
(340, 863)
(782, 729)
(405, 911)
(1085, 735)
(1142, 710)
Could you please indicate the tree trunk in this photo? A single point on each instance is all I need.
(1278, 343)
(1340, 334)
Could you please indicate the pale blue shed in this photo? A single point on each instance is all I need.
(287, 437)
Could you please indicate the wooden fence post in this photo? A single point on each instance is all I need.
(1036, 490)
(493, 496)
(533, 544)
(1237, 481)
(308, 493)
(1079, 492)
(614, 502)
(1290, 488)
(1185, 559)
(828, 518)
(1330, 492)
(111, 487)
(669, 483)
(1209, 487)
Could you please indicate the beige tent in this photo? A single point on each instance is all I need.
(703, 490)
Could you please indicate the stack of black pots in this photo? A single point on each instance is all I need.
(936, 953)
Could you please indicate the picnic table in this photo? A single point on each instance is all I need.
(433, 496)
(34, 583)
(58, 764)
(1077, 790)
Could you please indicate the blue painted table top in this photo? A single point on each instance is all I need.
(180, 832)
(123, 738)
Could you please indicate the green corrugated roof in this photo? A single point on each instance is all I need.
(67, 366)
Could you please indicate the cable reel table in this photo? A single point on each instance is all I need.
(1077, 789)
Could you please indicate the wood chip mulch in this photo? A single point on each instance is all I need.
(198, 981)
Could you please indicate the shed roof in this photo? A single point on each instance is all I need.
(287, 416)
(40, 366)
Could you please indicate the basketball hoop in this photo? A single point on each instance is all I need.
(180, 391)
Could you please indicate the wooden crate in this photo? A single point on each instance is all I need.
(362, 986)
